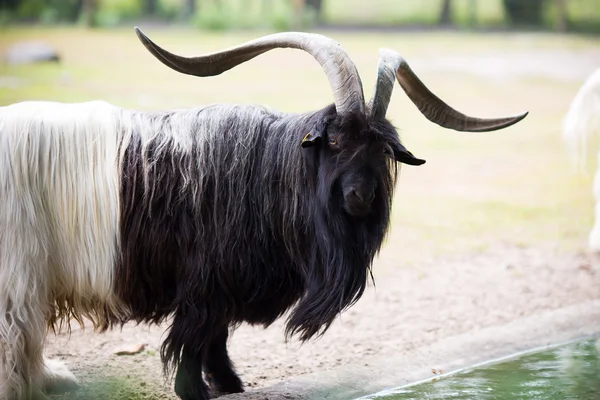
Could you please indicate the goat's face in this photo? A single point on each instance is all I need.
(356, 161)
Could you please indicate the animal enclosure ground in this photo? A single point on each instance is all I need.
(491, 228)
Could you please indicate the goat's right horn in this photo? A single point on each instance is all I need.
(393, 67)
(339, 68)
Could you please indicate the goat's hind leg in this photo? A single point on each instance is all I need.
(24, 309)
(22, 331)
(24, 372)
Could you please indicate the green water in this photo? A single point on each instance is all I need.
(569, 372)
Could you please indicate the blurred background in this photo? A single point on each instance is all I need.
(561, 15)
(509, 207)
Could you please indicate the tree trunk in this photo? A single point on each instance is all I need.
(189, 8)
(87, 12)
(298, 6)
(522, 12)
(9, 4)
(472, 12)
(561, 20)
(150, 7)
(317, 6)
(446, 13)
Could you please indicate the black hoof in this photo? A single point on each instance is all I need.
(187, 389)
(225, 384)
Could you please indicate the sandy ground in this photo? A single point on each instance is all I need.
(409, 307)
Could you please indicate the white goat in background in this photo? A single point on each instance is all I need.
(581, 122)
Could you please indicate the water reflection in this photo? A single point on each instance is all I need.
(570, 372)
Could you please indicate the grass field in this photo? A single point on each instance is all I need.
(512, 186)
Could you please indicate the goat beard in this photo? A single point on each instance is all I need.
(340, 263)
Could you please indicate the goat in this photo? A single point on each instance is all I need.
(210, 216)
(581, 122)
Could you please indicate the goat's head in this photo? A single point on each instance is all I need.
(355, 145)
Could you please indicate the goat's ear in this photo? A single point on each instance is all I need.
(404, 156)
(311, 138)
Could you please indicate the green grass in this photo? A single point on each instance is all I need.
(411, 12)
(514, 186)
(112, 388)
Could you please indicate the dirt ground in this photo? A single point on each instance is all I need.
(409, 307)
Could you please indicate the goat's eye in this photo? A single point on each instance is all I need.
(333, 141)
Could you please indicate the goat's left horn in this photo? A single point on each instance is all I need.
(392, 66)
(340, 70)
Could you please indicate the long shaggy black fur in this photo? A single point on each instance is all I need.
(226, 218)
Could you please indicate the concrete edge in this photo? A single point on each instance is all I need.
(377, 373)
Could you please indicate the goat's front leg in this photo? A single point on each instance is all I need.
(218, 367)
(189, 384)
(190, 335)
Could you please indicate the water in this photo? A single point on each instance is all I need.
(568, 372)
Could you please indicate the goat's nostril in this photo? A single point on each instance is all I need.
(363, 196)
(358, 195)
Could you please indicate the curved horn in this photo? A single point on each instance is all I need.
(339, 68)
(392, 66)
